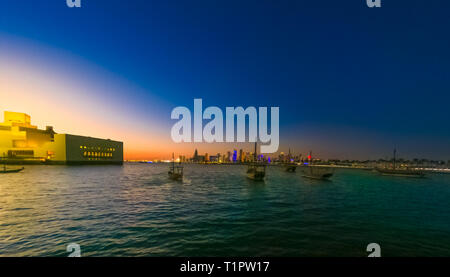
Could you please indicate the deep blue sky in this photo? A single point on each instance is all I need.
(335, 67)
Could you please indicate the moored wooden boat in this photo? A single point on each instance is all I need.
(256, 171)
(5, 171)
(316, 172)
(290, 167)
(175, 172)
(400, 172)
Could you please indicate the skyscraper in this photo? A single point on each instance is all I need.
(195, 158)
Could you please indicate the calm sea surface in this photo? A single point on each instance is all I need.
(134, 210)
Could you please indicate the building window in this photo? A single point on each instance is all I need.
(20, 153)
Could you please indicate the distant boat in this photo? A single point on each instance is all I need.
(289, 166)
(175, 172)
(400, 172)
(5, 170)
(316, 172)
(256, 171)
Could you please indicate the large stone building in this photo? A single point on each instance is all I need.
(21, 142)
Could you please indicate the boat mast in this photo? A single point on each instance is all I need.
(173, 161)
(395, 153)
(255, 159)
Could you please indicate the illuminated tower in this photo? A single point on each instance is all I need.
(195, 158)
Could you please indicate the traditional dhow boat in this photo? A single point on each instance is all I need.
(400, 172)
(256, 171)
(316, 172)
(175, 172)
(289, 166)
(6, 171)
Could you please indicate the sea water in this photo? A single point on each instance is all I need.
(135, 210)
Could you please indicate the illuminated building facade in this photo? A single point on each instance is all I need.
(21, 142)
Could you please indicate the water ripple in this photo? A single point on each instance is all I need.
(135, 210)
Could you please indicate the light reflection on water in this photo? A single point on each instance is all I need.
(134, 210)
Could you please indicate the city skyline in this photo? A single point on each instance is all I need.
(244, 156)
(336, 95)
(247, 147)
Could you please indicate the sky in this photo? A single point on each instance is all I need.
(351, 82)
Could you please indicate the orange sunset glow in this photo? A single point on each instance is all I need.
(59, 94)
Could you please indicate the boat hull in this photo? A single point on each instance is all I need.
(256, 173)
(317, 173)
(323, 177)
(11, 171)
(256, 176)
(290, 168)
(401, 173)
(175, 176)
